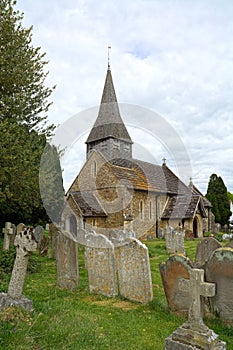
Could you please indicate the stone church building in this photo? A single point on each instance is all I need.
(115, 191)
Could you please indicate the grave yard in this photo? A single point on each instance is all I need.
(64, 319)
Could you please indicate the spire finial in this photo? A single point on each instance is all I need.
(164, 160)
(109, 48)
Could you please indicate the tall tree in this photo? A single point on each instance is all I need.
(217, 195)
(24, 129)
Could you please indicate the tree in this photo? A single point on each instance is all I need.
(23, 121)
(217, 195)
(23, 94)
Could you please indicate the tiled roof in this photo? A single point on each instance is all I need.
(195, 191)
(109, 122)
(88, 203)
(148, 176)
(183, 207)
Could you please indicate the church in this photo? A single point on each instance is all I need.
(115, 191)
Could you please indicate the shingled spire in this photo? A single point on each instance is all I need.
(109, 134)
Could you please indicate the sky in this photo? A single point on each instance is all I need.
(169, 58)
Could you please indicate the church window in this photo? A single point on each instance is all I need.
(94, 169)
(150, 210)
(126, 147)
(116, 144)
(104, 144)
(93, 222)
(141, 210)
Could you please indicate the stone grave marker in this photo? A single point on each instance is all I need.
(204, 250)
(229, 244)
(39, 232)
(44, 246)
(133, 267)
(175, 240)
(101, 265)
(25, 244)
(8, 232)
(219, 270)
(67, 262)
(175, 268)
(194, 334)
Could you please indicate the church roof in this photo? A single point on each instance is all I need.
(88, 203)
(109, 122)
(147, 176)
(183, 207)
(195, 191)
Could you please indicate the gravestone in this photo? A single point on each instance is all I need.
(175, 268)
(175, 240)
(229, 244)
(44, 246)
(54, 232)
(39, 232)
(8, 232)
(204, 250)
(219, 270)
(101, 265)
(194, 334)
(134, 275)
(25, 244)
(67, 262)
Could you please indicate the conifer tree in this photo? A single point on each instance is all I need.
(217, 195)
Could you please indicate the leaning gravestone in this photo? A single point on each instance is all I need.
(101, 266)
(175, 268)
(194, 334)
(175, 240)
(39, 232)
(44, 246)
(219, 270)
(8, 232)
(67, 262)
(134, 275)
(25, 244)
(204, 250)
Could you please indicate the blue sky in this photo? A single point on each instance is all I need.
(172, 57)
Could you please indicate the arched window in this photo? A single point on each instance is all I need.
(94, 169)
(141, 210)
(150, 210)
(73, 225)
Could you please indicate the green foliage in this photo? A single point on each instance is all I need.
(7, 258)
(217, 195)
(23, 120)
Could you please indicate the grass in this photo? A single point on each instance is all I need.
(64, 319)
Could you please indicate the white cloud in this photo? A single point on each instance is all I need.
(174, 57)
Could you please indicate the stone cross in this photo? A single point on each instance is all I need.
(25, 244)
(197, 288)
(8, 231)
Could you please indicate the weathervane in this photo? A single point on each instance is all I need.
(109, 48)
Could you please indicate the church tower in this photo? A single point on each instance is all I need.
(109, 134)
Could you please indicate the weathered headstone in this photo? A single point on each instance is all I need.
(101, 265)
(67, 262)
(194, 334)
(25, 244)
(8, 232)
(175, 268)
(229, 244)
(175, 240)
(44, 246)
(134, 275)
(219, 270)
(39, 232)
(204, 250)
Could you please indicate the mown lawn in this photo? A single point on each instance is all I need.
(64, 319)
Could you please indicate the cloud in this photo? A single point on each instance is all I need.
(173, 57)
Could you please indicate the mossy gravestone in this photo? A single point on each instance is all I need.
(219, 270)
